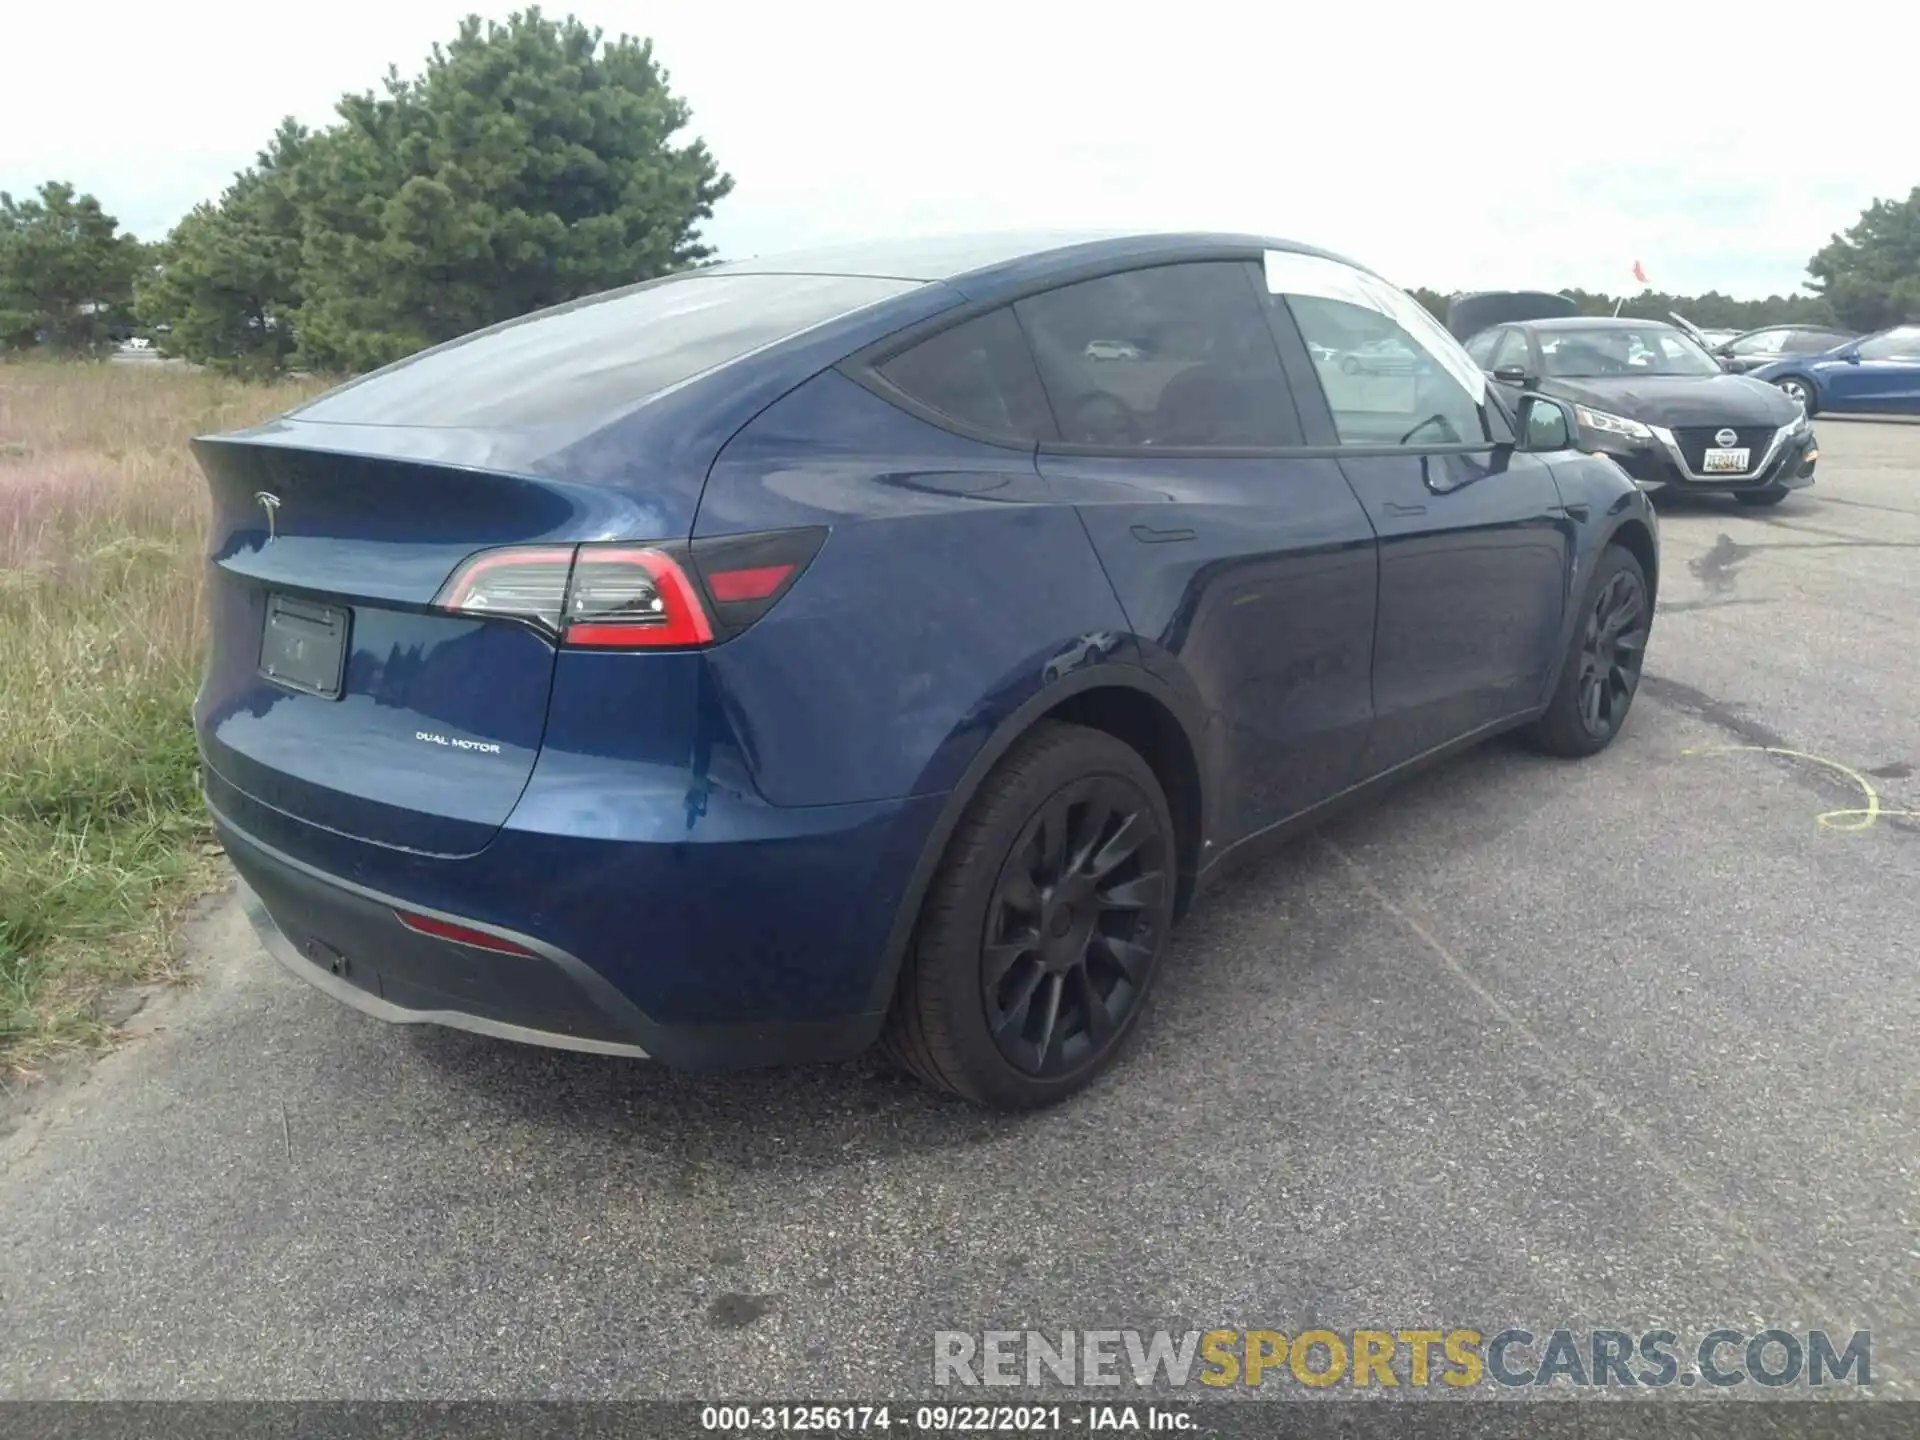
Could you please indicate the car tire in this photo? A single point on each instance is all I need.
(1601, 672)
(1762, 497)
(1799, 391)
(992, 1003)
(1349, 365)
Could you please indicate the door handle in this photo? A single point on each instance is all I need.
(1148, 535)
(1393, 509)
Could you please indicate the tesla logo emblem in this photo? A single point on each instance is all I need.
(270, 503)
(1720, 437)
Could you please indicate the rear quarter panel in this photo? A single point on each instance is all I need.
(951, 589)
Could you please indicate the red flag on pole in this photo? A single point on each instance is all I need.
(1638, 273)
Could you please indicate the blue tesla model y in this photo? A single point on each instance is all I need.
(884, 645)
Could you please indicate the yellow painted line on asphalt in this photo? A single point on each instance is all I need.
(1832, 819)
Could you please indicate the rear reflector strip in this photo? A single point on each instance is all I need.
(460, 934)
(755, 584)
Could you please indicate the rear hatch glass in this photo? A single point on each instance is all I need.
(599, 356)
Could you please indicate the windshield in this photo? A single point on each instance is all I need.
(1623, 350)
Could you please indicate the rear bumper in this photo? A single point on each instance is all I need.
(344, 936)
(364, 989)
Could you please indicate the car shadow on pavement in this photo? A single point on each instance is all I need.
(1668, 503)
(804, 1115)
(834, 1116)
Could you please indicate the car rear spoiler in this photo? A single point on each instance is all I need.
(1468, 315)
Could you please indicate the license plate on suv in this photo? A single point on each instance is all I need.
(1725, 462)
(304, 646)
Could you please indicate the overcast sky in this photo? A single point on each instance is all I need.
(1446, 144)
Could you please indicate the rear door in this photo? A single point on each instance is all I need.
(1243, 564)
(1474, 545)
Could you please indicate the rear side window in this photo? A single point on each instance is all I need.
(600, 355)
(1173, 357)
(1754, 347)
(980, 374)
(1812, 342)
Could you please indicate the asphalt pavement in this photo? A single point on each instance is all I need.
(1629, 1042)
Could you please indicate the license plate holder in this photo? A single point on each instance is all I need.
(1725, 462)
(303, 646)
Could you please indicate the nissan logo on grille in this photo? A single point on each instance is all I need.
(1726, 437)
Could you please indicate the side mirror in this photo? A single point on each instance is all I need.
(1545, 424)
(1851, 355)
(1511, 375)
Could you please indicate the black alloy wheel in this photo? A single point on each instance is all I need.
(1615, 644)
(1602, 669)
(1037, 944)
(1070, 929)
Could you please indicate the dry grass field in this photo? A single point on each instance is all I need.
(102, 520)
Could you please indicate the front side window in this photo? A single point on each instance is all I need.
(1512, 350)
(1384, 386)
(1481, 347)
(1900, 344)
(1172, 357)
(979, 373)
(1589, 352)
(1395, 376)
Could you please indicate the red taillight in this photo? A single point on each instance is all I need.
(460, 934)
(635, 597)
(623, 597)
(600, 596)
(529, 581)
(746, 575)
